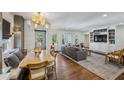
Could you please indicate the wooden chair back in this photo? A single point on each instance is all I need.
(54, 54)
(37, 66)
(118, 53)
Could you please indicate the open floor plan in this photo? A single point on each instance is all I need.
(61, 45)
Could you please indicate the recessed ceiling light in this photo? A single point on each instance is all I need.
(104, 15)
(121, 23)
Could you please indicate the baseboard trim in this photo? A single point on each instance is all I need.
(98, 52)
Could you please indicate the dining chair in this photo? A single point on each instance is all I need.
(115, 56)
(38, 71)
(52, 65)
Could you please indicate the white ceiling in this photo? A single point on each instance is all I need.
(78, 21)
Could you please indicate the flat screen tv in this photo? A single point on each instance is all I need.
(100, 38)
(5, 29)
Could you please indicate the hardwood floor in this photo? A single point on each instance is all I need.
(121, 77)
(69, 70)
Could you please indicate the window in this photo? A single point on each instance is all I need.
(40, 38)
(68, 38)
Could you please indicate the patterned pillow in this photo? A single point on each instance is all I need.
(13, 60)
(19, 54)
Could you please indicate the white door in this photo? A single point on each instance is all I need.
(86, 40)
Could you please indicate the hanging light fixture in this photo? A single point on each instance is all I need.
(46, 26)
(38, 20)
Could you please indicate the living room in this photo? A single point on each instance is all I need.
(82, 38)
(74, 46)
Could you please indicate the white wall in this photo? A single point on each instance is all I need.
(74, 34)
(86, 42)
(99, 46)
(119, 38)
(29, 35)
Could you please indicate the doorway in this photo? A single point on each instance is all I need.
(86, 40)
(40, 39)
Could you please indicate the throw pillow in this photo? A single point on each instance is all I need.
(13, 60)
(19, 54)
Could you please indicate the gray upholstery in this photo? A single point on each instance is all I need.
(19, 54)
(8, 52)
(12, 60)
(75, 53)
(63, 49)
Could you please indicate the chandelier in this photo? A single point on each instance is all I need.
(38, 19)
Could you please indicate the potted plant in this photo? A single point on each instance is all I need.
(54, 38)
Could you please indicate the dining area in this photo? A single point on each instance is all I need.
(39, 63)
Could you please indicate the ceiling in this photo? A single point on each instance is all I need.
(78, 21)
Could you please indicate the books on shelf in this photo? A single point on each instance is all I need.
(111, 36)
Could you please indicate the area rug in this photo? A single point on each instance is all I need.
(96, 64)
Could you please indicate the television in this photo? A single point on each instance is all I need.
(100, 38)
(5, 29)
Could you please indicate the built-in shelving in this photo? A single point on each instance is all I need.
(111, 37)
(100, 31)
(91, 37)
(99, 35)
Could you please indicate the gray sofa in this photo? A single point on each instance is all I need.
(75, 53)
(12, 58)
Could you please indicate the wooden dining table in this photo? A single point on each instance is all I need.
(33, 58)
